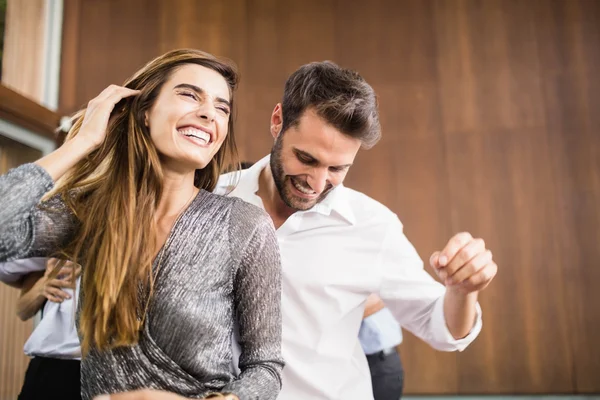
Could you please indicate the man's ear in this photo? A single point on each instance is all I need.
(276, 121)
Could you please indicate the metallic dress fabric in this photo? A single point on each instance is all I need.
(220, 267)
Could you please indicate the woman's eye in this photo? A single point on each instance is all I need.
(224, 110)
(189, 94)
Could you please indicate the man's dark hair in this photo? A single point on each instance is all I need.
(338, 95)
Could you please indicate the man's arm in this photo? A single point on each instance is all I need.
(374, 304)
(445, 319)
(466, 267)
(41, 286)
(32, 296)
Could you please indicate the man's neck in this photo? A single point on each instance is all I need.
(268, 193)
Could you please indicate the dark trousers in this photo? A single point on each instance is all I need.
(387, 375)
(51, 378)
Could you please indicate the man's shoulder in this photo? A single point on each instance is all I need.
(365, 206)
(229, 188)
(228, 182)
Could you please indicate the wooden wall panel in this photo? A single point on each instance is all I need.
(13, 336)
(490, 125)
(68, 98)
(572, 100)
(13, 332)
(498, 181)
(23, 59)
(499, 136)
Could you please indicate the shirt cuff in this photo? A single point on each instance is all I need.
(442, 336)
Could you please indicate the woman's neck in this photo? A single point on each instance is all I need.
(178, 190)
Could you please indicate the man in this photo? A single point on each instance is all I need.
(379, 336)
(338, 245)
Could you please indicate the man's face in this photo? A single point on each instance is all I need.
(309, 159)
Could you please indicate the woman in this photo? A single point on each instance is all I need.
(167, 265)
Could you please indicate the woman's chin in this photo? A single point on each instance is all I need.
(184, 164)
(198, 164)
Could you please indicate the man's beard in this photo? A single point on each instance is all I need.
(282, 182)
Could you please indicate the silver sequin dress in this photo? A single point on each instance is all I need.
(222, 264)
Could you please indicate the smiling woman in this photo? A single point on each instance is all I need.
(162, 256)
(200, 115)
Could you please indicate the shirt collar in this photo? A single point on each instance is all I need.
(337, 200)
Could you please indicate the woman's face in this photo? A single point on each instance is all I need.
(189, 119)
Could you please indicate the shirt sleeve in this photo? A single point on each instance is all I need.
(13, 271)
(28, 228)
(414, 297)
(257, 296)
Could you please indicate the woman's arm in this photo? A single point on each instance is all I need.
(257, 296)
(91, 134)
(27, 230)
(147, 394)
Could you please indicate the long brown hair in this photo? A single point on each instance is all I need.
(114, 193)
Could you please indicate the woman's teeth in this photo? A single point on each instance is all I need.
(196, 133)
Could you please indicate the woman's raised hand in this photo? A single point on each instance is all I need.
(91, 134)
(95, 121)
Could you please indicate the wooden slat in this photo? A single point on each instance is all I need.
(69, 64)
(23, 53)
(570, 54)
(27, 113)
(13, 332)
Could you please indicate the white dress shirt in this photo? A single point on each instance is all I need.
(333, 257)
(56, 335)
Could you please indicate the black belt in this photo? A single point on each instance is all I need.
(383, 353)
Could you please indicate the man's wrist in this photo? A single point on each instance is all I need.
(458, 294)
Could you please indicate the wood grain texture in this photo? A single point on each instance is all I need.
(27, 113)
(24, 46)
(571, 95)
(489, 110)
(13, 332)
